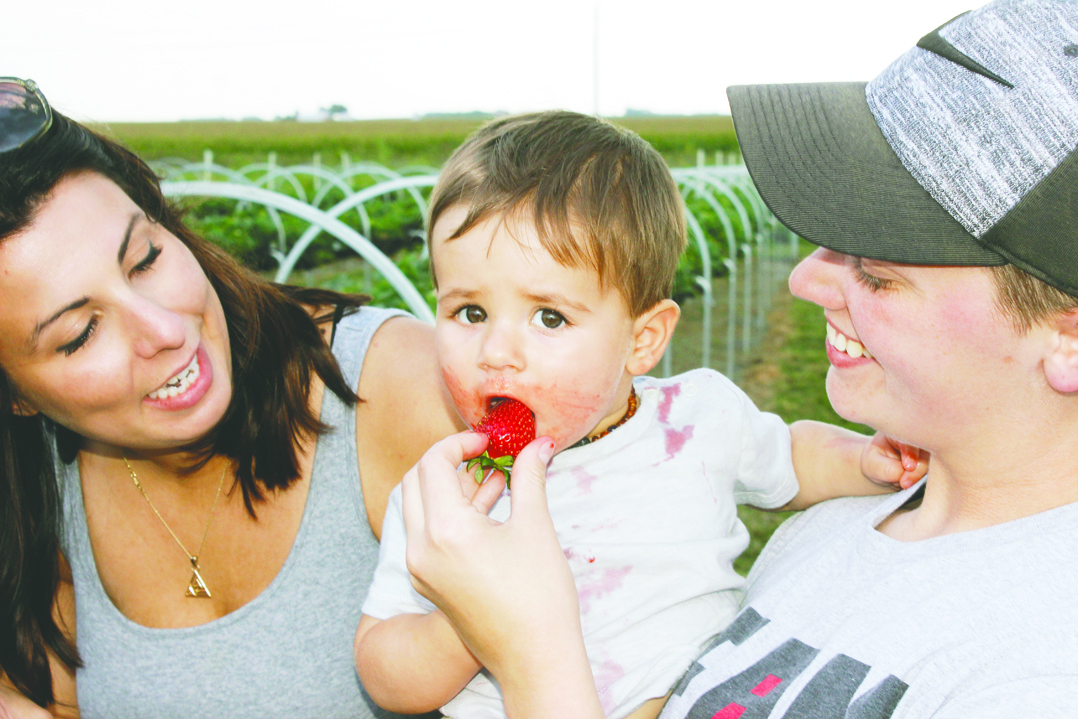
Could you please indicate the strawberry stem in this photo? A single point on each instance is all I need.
(485, 464)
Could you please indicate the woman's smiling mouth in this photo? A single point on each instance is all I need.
(187, 387)
(180, 383)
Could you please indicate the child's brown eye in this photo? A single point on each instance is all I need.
(550, 319)
(471, 314)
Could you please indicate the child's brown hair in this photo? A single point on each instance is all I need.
(598, 195)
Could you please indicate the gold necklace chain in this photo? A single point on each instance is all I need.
(196, 588)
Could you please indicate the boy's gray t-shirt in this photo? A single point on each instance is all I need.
(288, 652)
(842, 621)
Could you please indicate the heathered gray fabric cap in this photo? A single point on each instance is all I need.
(963, 152)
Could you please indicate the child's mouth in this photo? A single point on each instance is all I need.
(494, 402)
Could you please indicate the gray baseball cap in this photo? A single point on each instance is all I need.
(964, 151)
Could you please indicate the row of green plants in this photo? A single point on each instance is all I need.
(718, 244)
(249, 233)
(396, 228)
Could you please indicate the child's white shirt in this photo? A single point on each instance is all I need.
(648, 521)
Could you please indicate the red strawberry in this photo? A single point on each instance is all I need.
(509, 426)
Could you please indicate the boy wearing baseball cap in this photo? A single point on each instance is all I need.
(944, 197)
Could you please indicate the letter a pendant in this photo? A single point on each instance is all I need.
(196, 588)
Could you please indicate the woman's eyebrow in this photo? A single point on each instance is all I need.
(127, 236)
(36, 334)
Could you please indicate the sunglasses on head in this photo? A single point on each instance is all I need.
(24, 113)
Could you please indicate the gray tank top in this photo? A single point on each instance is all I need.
(287, 653)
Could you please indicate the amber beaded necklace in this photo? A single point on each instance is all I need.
(634, 402)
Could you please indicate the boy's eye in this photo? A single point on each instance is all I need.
(471, 314)
(548, 319)
(872, 282)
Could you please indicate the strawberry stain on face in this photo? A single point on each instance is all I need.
(470, 404)
(562, 412)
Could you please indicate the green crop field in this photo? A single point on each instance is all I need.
(394, 143)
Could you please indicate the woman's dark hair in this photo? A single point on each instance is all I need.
(275, 345)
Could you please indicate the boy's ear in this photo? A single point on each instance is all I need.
(652, 331)
(1061, 362)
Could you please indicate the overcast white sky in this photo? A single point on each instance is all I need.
(141, 60)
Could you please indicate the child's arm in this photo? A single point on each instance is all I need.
(834, 462)
(412, 663)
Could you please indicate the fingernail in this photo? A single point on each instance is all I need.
(546, 451)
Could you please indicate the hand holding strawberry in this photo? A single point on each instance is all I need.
(509, 426)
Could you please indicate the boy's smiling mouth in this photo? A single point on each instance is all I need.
(842, 343)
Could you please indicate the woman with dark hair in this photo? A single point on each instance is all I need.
(177, 487)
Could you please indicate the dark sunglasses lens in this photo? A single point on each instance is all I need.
(22, 116)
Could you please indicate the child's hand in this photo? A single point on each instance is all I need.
(887, 462)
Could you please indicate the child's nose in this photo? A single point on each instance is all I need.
(502, 349)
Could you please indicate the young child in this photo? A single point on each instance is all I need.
(554, 241)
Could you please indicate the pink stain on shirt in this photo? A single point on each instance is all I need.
(583, 478)
(606, 675)
(676, 439)
(669, 393)
(606, 582)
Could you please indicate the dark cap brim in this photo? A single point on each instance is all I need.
(824, 168)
